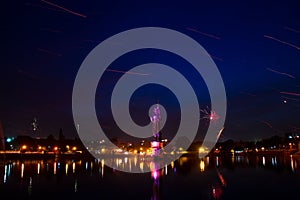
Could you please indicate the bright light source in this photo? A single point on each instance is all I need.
(154, 174)
(24, 147)
(172, 164)
(202, 166)
(201, 150)
(8, 140)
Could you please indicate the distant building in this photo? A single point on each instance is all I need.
(2, 145)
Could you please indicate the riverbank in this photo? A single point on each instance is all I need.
(38, 155)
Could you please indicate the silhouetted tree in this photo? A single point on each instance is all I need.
(50, 137)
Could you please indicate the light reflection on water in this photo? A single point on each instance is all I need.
(213, 171)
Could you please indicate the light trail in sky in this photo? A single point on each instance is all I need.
(281, 73)
(289, 98)
(203, 33)
(124, 72)
(65, 9)
(267, 123)
(220, 132)
(291, 93)
(282, 42)
(291, 29)
(45, 7)
(210, 115)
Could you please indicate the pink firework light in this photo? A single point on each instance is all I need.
(290, 93)
(281, 73)
(64, 9)
(214, 116)
(282, 42)
(210, 115)
(203, 33)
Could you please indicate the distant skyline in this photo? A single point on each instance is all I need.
(255, 44)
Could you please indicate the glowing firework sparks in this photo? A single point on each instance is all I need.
(214, 116)
(210, 115)
(291, 93)
(124, 72)
(281, 73)
(293, 99)
(64, 9)
(220, 132)
(267, 123)
(208, 35)
(45, 7)
(291, 29)
(282, 42)
(205, 34)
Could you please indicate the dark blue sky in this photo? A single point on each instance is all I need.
(44, 47)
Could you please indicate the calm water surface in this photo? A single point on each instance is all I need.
(237, 177)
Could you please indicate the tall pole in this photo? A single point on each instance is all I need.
(155, 119)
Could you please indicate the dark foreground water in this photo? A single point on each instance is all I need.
(270, 177)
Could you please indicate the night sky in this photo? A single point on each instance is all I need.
(254, 45)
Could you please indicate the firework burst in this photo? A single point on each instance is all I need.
(209, 115)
